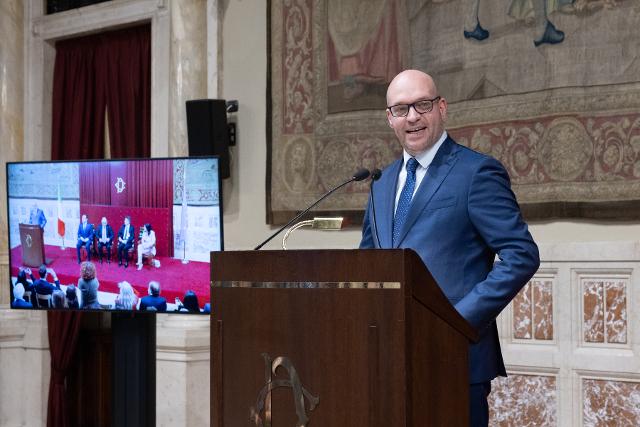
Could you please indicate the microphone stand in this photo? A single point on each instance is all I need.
(375, 175)
(358, 176)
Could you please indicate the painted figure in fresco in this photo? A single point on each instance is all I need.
(363, 46)
(522, 10)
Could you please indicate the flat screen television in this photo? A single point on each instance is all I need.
(145, 245)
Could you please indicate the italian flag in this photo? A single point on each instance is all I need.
(61, 227)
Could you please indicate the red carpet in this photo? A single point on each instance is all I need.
(175, 278)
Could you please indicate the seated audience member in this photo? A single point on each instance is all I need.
(125, 241)
(153, 299)
(58, 299)
(41, 286)
(72, 297)
(18, 297)
(207, 308)
(147, 245)
(88, 285)
(104, 235)
(127, 299)
(26, 283)
(190, 302)
(85, 237)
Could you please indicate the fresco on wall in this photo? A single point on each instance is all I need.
(365, 47)
(548, 87)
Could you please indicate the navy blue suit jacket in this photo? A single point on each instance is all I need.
(42, 287)
(463, 215)
(132, 230)
(160, 303)
(98, 233)
(85, 232)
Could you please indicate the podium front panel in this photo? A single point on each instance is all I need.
(328, 353)
(32, 244)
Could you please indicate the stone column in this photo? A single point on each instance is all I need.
(26, 366)
(188, 67)
(11, 113)
(183, 341)
(182, 370)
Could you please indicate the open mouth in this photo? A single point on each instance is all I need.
(416, 130)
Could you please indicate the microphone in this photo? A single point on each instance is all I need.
(358, 176)
(375, 175)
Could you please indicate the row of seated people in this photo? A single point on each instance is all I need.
(98, 239)
(40, 293)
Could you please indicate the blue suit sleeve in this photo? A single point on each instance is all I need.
(367, 235)
(495, 214)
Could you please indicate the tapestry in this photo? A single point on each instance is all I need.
(551, 88)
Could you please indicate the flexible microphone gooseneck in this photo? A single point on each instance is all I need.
(358, 176)
(375, 175)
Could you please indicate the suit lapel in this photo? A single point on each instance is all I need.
(436, 173)
(385, 203)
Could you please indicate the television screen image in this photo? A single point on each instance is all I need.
(114, 234)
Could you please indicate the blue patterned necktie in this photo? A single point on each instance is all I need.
(404, 202)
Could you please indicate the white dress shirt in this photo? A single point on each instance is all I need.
(424, 160)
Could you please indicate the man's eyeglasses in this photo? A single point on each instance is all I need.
(423, 106)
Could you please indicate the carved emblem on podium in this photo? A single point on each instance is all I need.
(28, 240)
(261, 412)
(120, 185)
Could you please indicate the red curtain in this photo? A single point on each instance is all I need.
(110, 71)
(145, 183)
(81, 85)
(95, 185)
(153, 184)
(78, 102)
(127, 61)
(64, 328)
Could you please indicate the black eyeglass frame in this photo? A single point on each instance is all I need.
(432, 101)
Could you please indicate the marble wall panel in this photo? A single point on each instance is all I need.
(610, 403)
(522, 328)
(593, 311)
(605, 311)
(533, 311)
(523, 400)
(542, 309)
(616, 312)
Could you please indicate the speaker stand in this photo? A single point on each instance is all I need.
(134, 369)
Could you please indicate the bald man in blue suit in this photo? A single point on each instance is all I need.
(455, 208)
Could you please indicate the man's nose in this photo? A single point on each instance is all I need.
(412, 115)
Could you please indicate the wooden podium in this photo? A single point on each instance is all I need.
(334, 338)
(32, 241)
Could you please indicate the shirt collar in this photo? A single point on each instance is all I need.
(426, 157)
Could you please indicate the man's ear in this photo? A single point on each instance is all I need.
(389, 118)
(442, 105)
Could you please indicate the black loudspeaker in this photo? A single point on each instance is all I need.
(208, 130)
